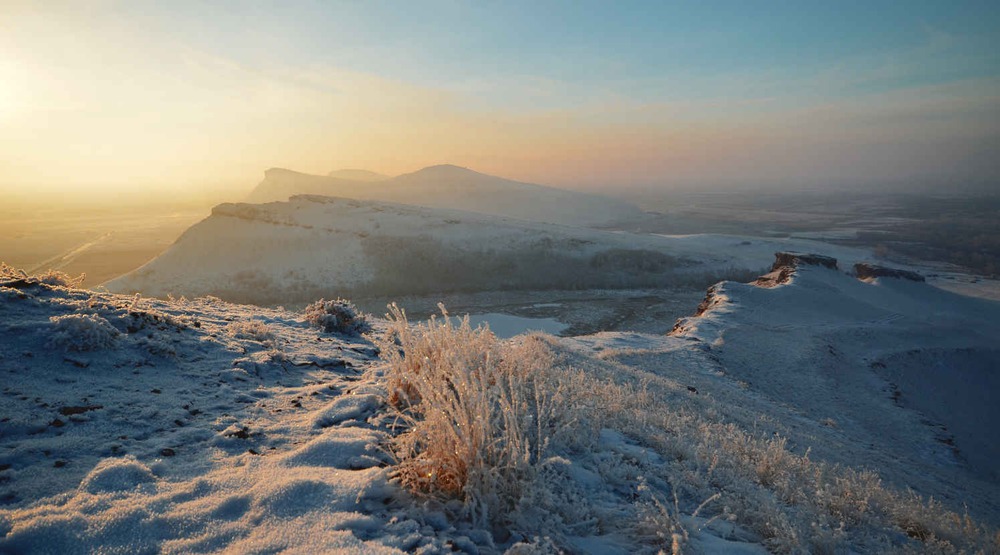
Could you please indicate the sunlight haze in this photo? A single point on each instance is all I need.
(175, 97)
(505, 278)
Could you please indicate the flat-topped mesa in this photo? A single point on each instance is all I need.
(865, 270)
(785, 264)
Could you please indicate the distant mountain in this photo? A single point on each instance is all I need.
(448, 186)
(281, 184)
(358, 175)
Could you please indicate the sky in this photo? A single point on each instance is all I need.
(182, 96)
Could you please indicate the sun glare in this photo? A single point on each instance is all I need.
(9, 80)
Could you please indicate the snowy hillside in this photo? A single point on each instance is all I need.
(136, 425)
(324, 246)
(905, 372)
(456, 188)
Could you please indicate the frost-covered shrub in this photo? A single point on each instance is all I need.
(136, 317)
(479, 414)
(157, 347)
(10, 272)
(251, 329)
(337, 316)
(82, 332)
(62, 279)
(53, 278)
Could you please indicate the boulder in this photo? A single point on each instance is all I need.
(865, 270)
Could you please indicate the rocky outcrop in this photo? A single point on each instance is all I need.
(713, 298)
(864, 270)
(784, 267)
(794, 259)
(785, 264)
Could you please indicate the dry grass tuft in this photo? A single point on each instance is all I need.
(479, 414)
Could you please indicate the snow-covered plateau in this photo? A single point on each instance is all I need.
(316, 246)
(821, 408)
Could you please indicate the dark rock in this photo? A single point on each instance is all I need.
(711, 299)
(77, 361)
(796, 259)
(57, 423)
(785, 264)
(367, 351)
(865, 270)
(59, 464)
(69, 411)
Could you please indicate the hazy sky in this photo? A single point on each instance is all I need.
(180, 95)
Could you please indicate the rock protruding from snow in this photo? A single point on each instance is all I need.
(864, 270)
(785, 264)
(796, 259)
(715, 297)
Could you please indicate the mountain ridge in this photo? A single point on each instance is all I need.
(455, 187)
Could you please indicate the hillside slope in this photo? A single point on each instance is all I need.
(906, 373)
(136, 425)
(455, 188)
(311, 246)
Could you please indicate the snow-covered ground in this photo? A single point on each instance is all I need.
(905, 372)
(139, 425)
